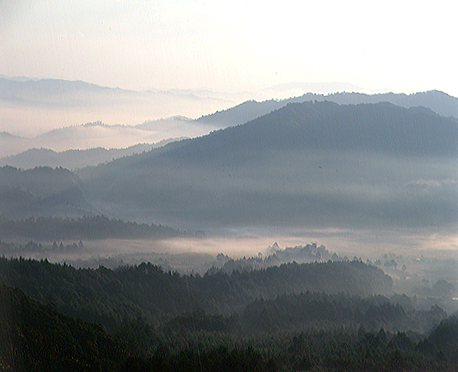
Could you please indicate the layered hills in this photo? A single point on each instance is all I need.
(315, 164)
(73, 159)
(40, 192)
(32, 107)
(94, 135)
(263, 320)
(302, 165)
(85, 98)
(439, 102)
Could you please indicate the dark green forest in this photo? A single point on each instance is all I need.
(314, 316)
(35, 337)
(146, 290)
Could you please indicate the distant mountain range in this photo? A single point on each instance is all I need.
(98, 134)
(312, 163)
(439, 102)
(32, 107)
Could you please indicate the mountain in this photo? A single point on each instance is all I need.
(33, 107)
(40, 191)
(72, 159)
(97, 135)
(11, 144)
(439, 102)
(315, 164)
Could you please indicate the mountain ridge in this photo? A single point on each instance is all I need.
(34, 107)
(115, 135)
(74, 159)
(41, 191)
(241, 113)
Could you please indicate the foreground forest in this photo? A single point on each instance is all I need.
(313, 316)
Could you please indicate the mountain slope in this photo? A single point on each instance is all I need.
(72, 159)
(147, 290)
(381, 127)
(40, 191)
(318, 164)
(35, 337)
(79, 102)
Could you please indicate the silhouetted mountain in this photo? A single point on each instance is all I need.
(380, 128)
(318, 164)
(243, 113)
(440, 102)
(52, 92)
(68, 104)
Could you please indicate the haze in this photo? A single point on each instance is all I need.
(259, 185)
(193, 58)
(223, 53)
(232, 46)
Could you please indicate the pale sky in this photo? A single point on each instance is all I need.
(399, 46)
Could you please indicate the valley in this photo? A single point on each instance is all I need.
(262, 243)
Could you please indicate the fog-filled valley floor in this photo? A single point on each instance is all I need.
(312, 233)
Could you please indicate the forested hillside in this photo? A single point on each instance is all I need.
(35, 337)
(260, 320)
(40, 191)
(147, 291)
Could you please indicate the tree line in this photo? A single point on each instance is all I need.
(150, 292)
(315, 316)
(36, 337)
